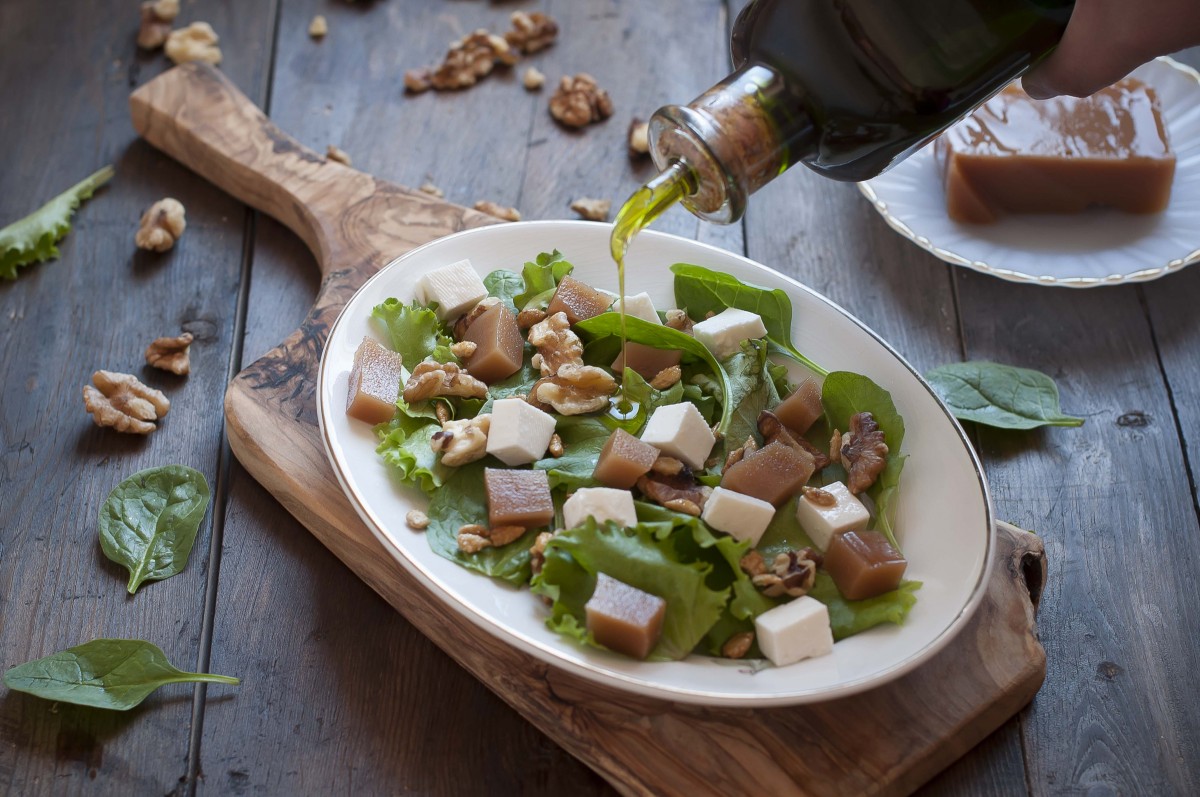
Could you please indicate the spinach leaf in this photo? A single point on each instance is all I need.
(33, 238)
(149, 522)
(661, 337)
(701, 290)
(999, 395)
(582, 438)
(414, 331)
(645, 399)
(541, 277)
(104, 673)
(504, 285)
(752, 390)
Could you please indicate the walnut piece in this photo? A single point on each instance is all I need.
(499, 211)
(417, 520)
(464, 321)
(679, 492)
(792, 573)
(738, 645)
(124, 403)
(576, 389)
(338, 154)
(678, 320)
(527, 318)
(666, 377)
(431, 189)
(533, 79)
(156, 23)
(460, 442)
(468, 59)
(865, 453)
(471, 538)
(431, 379)
(161, 225)
(318, 27)
(556, 342)
(580, 101)
(531, 32)
(738, 454)
(668, 466)
(503, 535)
(171, 354)
(556, 446)
(463, 349)
(818, 496)
(537, 552)
(196, 42)
(638, 137)
(592, 209)
(753, 564)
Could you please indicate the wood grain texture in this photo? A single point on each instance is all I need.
(65, 73)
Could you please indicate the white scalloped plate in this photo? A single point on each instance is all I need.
(1098, 247)
(944, 517)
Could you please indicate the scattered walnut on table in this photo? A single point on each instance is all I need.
(580, 101)
(533, 79)
(639, 137)
(430, 379)
(556, 342)
(161, 225)
(592, 209)
(338, 154)
(463, 441)
(531, 32)
(171, 354)
(468, 59)
(196, 42)
(738, 645)
(318, 27)
(499, 211)
(417, 520)
(431, 189)
(157, 16)
(122, 402)
(576, 389)
(865, 453)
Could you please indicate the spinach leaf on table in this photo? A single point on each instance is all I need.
(33, 238)
(700, 291)
(414, 331)
(1002, 396)
(149, 522)
(104, 673)
(541, 277)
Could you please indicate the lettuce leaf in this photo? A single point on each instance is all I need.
(414, 331)
(405, 447)
(33, 238)
(541, 277)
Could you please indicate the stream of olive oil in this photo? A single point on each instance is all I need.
(644, 206)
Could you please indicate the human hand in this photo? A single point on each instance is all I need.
(1107, 39)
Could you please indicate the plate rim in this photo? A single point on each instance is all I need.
(602, 676)
(1024, 278)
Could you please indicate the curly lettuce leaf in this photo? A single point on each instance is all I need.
(541, 277)
(405, 447)
(414, 331)
(33, 238)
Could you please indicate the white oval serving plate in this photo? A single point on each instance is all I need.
(1084, 250)
(944, 515)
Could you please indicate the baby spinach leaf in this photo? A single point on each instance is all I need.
(645, 400)
(104, 673)
(541, 277)
(414, 331)
(999, 395)
(752, 390)
(701, 291)
(582, 438)
(33, 238)
(149, 521)
(661, 337)
(504, 285)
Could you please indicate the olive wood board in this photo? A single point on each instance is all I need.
(886, 741)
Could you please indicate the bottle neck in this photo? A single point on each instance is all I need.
(734, 139)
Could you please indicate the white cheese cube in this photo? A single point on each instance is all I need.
(723, 333)
(639, 306)
(742, 517)
(794, 631)
(519, 433)
(456, 288)
(822, 522)
(679, 430)
(601, 503)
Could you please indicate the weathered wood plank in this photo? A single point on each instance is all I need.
(65, 73)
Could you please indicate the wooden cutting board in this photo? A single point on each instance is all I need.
(887, 741)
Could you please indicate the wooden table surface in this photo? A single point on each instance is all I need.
(339, 693)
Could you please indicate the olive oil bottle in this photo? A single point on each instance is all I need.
(846, 87)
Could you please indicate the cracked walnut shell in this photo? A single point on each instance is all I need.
(171, 354)
(124, 403)
(196, 42)
(580, 101)
(161, 225)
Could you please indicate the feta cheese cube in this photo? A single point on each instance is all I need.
(601, 503)
(679, 430)
(794, 631)
(519, 433)
(456, 288)
(822, 522)
(639, 306)
(723, 333)
(742, 517)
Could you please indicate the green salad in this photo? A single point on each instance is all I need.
(734, 514)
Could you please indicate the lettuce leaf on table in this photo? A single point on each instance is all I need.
(33, 238)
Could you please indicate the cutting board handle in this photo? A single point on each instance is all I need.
(197, 116)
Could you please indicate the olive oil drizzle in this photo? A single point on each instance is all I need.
(644, 206)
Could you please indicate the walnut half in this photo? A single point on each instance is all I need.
(580, 101)
(460, 442)
(161, 225)
(171, 354)
(430, 379)
(863, 452)
(576, 389)
(124, 403)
